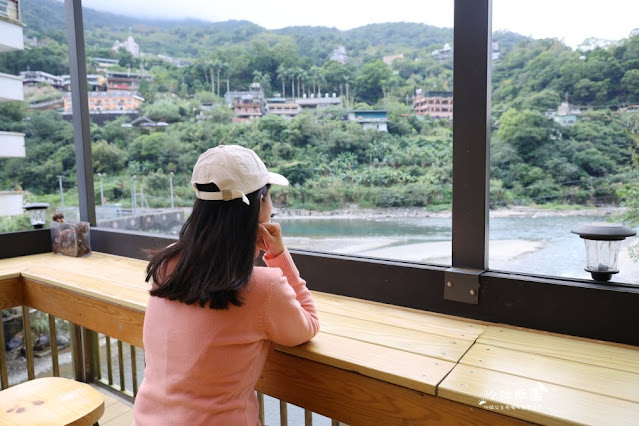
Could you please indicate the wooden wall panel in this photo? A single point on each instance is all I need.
(11, 293)
(359, 400)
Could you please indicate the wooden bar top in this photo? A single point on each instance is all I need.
(525, 374)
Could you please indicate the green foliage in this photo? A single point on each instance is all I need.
(526, 131)
(329, 161)
(11, 115)
(370, 81)
(165, 109)
(107, 158)
(52, 58)
(630, 84)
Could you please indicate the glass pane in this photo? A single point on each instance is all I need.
(36, 142)
(564, 133)
(355, 108)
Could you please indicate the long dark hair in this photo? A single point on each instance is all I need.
(216, 252)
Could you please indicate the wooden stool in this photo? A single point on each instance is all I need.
(51, 401)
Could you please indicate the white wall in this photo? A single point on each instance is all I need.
(10, 88)
(12, 145)
(11, 37)
(11, 203)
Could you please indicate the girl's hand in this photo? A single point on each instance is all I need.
(269, 239)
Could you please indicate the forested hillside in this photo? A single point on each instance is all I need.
(332, 162)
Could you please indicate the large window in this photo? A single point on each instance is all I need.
(564, 136)
(355, 108)
(182, 109)
(37, 156)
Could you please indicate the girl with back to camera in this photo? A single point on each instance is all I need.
(212, 314)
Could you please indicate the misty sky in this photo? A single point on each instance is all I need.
(570, 20)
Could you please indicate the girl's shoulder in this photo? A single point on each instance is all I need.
(266, 276)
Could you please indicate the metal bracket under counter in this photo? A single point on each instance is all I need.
(462, 285)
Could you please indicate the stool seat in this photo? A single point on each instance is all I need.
(51, 401)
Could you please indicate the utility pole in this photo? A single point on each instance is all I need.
(171, 185)
(101, 175)
(61, 192)
(133, 196)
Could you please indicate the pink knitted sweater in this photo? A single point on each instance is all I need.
(202, 364)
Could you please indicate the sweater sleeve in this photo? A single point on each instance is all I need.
(291, 318)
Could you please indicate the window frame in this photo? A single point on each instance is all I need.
(569, 306)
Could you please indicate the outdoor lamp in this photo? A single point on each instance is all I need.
(36, 213)
(603, 241)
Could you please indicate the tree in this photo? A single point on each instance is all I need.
(164, 110)
(228, 70)
(217, 66)
(594, 162)
(315, 73)
(335, 75)
(543, 101)
(588, 92)
(126, 59)
(282, 75)
(527, 131)
(107, 157)
(630, 84)
(368, 84)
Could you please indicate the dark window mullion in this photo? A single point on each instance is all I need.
(80, 102)
(471, 133)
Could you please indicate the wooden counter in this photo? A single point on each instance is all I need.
(371, 363)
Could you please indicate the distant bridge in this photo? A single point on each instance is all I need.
(161, 221)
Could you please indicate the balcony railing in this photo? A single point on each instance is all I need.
(95, 357)
(370, 364)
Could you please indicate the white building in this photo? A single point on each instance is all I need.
(11, 143)
(33, 78)
(444, 53)
(339, 55)
(129, 45)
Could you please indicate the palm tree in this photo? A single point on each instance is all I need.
(228, 70)
(303, 79)
(217, 65)
(282, 74)
(257, 76)
(315, 73)
(205, 70)
(291, 73)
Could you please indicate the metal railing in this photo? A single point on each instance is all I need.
(93, 357)
(10, 9)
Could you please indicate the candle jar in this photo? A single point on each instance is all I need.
(71, 238)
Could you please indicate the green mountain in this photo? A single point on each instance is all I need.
(190, 38)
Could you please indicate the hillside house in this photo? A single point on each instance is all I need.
(438, 105)
(370, 119)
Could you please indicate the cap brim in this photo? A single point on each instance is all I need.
(277, 179)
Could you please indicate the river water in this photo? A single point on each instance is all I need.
(541, 245)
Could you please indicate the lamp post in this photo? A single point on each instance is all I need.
(133, 195)
(603, 241)
(61, 192)
(171, 186)
(36, 213)
(101, 175)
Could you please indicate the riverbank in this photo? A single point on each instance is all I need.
(528, 240)
(435, 252)
(399, 212)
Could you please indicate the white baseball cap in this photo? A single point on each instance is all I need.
(236, 170)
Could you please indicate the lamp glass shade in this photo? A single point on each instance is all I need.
(601, 256)
(37, 212)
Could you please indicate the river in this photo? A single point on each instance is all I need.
(538, 244)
